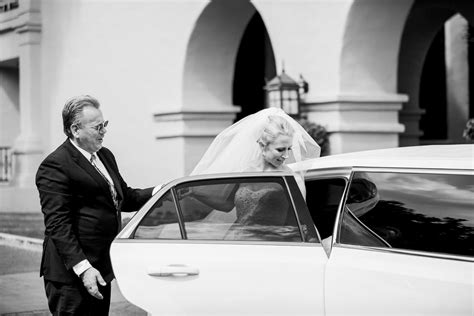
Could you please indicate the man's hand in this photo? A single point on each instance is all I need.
(90, 278)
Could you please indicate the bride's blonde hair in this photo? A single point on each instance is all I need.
(275, 126)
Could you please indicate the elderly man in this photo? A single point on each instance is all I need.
(82, 194)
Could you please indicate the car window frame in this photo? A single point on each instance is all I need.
(128, 231)
(344, 173)
(441, 171)
(235, 180)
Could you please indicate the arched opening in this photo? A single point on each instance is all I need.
(228, 55)
(255, 63)
(433, 99)
(209, 66)
(470, 49)
(435, 54)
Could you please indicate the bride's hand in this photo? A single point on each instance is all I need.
(184, 192)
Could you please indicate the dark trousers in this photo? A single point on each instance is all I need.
(73, 299)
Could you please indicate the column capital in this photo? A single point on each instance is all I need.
(358, 121)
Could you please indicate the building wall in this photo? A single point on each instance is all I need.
(130, 56)
(164, 72)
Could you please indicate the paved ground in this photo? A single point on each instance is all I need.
(21, 288)
(22, 224)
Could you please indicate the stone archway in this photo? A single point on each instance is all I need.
(211, 92)
(369, 56)
(425, 20)
(364, 113)
(211, 53)
(255, 64)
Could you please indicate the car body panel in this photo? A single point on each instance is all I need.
(250, 278)
(375, 282)
(428, 157)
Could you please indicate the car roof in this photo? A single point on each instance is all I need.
(428, 157)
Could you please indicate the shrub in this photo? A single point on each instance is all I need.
(318, 133)
(468, 133)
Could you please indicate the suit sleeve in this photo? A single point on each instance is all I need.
(57, 204)
(133, 198)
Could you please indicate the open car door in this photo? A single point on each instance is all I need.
(223, 245)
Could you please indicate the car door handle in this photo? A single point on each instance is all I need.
(173, 270)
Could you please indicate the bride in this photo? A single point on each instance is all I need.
(265, 141)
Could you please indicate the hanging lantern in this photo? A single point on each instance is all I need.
(283, 92)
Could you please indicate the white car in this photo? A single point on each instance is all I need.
(397, 227)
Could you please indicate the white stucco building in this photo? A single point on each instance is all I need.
(171, 74)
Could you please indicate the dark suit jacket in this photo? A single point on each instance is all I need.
(80, 218)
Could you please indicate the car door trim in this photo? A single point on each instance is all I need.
(223, 242)
(406, 252)
(184, 235)
(414, 170)
(295, 211)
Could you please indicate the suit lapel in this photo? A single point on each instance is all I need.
(86, 166)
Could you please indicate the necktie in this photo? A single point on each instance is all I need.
(113, 193)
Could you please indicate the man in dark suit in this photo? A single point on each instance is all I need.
(82, 194)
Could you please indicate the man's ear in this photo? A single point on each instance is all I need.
(74, 130)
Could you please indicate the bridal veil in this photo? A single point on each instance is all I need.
(235, 149)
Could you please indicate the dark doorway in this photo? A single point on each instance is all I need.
(255, 63)
(470, 43)
(433, 92)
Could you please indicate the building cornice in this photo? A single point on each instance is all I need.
(26, 18)
(196, 122)
(367, 98)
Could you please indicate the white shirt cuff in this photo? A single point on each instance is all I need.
(81, 267)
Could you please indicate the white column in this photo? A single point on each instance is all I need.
(356, 123)
(20, 195)
(194, 128)
(27, 148)
(457, 76)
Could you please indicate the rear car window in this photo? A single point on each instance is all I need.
(240, 210)
(412, 211)
(161, 221)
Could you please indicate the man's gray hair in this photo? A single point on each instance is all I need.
(73, 109)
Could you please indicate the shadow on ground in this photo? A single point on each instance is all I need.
(22, 224)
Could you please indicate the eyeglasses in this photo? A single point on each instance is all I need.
(101, 126)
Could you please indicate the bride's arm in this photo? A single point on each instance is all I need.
(222, 200)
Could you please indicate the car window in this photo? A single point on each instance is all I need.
(238, 209)
(323, 198)
(161, 222)
(422, 212)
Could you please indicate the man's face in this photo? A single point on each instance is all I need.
(89, 134)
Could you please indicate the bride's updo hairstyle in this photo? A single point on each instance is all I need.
(275, 126)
